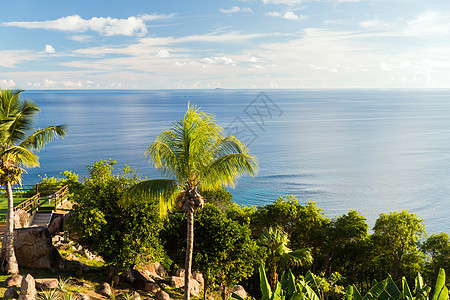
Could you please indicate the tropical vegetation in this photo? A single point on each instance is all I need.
(18, 146)
(194, 155)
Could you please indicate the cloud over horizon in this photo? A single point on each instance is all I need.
(132, 26)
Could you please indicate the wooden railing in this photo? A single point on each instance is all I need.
(61, 195)
(30, 204)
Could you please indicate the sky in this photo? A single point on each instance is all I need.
(235, 44)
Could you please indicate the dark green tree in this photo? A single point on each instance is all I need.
(396, 239)
(224, 251)
(121, 235)
(437, 247)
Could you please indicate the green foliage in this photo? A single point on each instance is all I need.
(275, 242)
(49, 185)
(395, 239)
(121, 235)
(223, 249)
(437, 248)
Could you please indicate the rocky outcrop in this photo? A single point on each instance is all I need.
(178, 282)
(56, 225)
(14, 280)
(21, 219)
(33, 249)
(47, 283)
(104, 289)
(140, 280)
(161, 295)
(27, 288)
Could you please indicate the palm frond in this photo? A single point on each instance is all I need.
(163, 154)
(227, 169)
(20, 156)
(40, 137)
(165, 191)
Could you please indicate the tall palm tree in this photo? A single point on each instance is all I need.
(276, 242)
(17, 146)
(195, 156)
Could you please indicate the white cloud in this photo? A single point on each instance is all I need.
(6, 84)
(49, 49)
(132, 26)
(81, 38)
(11, 58)
(235, 9)
(219, 60)
(289, 15)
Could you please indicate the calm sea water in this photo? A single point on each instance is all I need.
(373, 151)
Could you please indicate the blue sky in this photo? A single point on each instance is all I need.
(258, 44)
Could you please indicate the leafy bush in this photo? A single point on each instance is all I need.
(123, 236)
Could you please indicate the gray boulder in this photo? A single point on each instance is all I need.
(21, 219)
(56, 225)
(104, 289)
(46, 283)
(10, 293)
(14, 280)
(161, 295)
(27, 288)
(33, 248)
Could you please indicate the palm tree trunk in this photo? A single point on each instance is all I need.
(189, 251)
(9, 263)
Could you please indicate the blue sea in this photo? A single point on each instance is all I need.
(373, 151)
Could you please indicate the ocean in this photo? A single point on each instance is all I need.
(373, 151)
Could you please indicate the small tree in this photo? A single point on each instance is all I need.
(122, 236)
(396, 238)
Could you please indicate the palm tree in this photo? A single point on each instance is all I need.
(276, 242)
(17, 146)
(195, 156)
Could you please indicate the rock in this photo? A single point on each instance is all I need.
(21, 219)
(161, 295)
(86, 253)
(140, 280)
(176, 282)
(135, 296)
(196, 288)
(104, 289)
(10, 293)
(27, 288)
(115, 280)
(14, 280)
(70, 256)
(199, 277)
(56, 225)
(47, 283)
(240, 291)
(160, 270)
(180, 273)
(83, 297)
(33, 249)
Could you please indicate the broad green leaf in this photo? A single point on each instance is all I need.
(356, 294)
(266, 291)
(439, 292)
(376, 290)
(349, 293)
(406, 290)
(391, 291)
